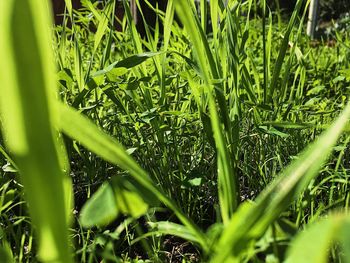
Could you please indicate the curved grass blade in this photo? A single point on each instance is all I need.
(169, 228)
(127, 63)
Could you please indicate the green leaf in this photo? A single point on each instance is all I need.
(127, 63)
(114, 74)
(6, 255)
(130, 203)
(169, 228)
(121, 195)
(101, 208)
(132, 198)
(103, 24)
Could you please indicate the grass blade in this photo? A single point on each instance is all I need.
(283, 50)
(28, 112)
(226, 176)
(313, 244)
(103, 24)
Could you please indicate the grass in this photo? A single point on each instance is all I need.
(199, 141)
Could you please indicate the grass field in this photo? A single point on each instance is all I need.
(198, 141)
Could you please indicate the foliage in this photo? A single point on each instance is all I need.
(197, 141)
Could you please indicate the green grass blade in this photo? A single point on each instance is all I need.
(204, 14)
(132, 27)
(313, 244)
(169, 228)
(28, 113)
(90, 6)
(227, 186)
(283, 50)
(6, 253)
(204, 55)
(214, 16)
(69, 7)
(103, 24)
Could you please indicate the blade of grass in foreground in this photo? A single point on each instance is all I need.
(251, 221)
(313, 244)
(27, 112)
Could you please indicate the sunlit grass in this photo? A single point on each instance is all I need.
(231, 135)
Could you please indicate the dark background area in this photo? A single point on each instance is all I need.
(328, 9)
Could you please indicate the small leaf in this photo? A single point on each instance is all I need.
(169, 228)
(130, 203)
(9, 168)
(338, 79)
(195, 181)
(113, 74)
(132, 198)
(100, 209)
(131, 150)
(127, 63)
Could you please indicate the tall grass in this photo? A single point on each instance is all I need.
(208, 132)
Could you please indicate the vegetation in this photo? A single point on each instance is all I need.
(219, 136)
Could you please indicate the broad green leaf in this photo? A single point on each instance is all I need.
(115, 73)
(100, 209)
(121, 195)
(129, 184)
(130, 203)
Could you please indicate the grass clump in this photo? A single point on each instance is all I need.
(218, 135)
